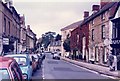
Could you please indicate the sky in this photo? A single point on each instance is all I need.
(52, 15)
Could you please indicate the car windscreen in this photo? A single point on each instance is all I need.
(21, 61)
(4, 74)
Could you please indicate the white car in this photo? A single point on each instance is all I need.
(56, 56)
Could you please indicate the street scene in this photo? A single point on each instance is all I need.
(60, 69)
(59, 40)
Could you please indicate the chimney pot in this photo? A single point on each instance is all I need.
(86, 14)
(95, 8)
(28, 26)
(104, 2)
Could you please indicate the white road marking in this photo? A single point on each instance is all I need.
(91, 70)
(43, 74)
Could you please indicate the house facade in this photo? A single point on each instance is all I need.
(115, 27)
(67, 32)
(100, 32)
(75, 42)
(30, 39)
(23, 33)
(55, 46)
(10, 28)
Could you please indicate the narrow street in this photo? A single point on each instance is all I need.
(59, 69)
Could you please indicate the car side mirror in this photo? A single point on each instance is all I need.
(30, 63)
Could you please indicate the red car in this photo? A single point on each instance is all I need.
(9, 69)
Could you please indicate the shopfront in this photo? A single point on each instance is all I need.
(116, 40)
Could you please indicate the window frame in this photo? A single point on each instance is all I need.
(103, 32)
(93, 35)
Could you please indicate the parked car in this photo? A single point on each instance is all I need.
(56, 56)
(34, 62)
(37, 59)
(9, 69)
(25, 64)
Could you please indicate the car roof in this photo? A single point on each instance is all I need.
(16, 55)
(5, 61)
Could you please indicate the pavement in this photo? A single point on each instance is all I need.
(95, 67)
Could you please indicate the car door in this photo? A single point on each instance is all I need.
(18, 71)
(16, 76)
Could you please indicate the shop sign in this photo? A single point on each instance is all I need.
(5, 41)
(116, 42)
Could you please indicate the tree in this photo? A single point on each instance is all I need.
(58, 37)
(47, 38)
(66, 44)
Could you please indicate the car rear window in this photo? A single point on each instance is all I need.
(21, 61)
(4, 74)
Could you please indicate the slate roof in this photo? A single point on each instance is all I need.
(71, 26)
(105, 8)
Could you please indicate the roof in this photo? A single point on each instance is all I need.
(5, 61)
(71, 26)
(105, 8)
(15, 55)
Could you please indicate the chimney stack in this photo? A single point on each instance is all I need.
(9, 3)
(95, 8)
(104, 2)
(28, 26)
(86, 14)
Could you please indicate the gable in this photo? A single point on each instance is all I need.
(115, 11)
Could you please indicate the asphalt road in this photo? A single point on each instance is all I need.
(59, 69)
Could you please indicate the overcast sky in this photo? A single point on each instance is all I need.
(52, 15)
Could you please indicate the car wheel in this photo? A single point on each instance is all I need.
(58, 58)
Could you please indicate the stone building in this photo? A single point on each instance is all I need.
(9, 28)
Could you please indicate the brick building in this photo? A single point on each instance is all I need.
(75, 42)
(100, 32)
(65, 32)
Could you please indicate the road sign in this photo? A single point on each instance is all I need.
(5, 41)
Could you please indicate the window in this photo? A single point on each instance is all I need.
(77, 38)
(92, 22)
(103, 17)
(4, 28)
(92, 34)
(103, 31)
(4, 74)
(115, 32)
(9, 27)
(116, 29)
(21, 61)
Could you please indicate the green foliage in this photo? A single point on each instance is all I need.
(47, 38)
(58, 37)
(66, 44)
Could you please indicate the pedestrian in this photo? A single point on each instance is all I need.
(110, 62)
(114, 64)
